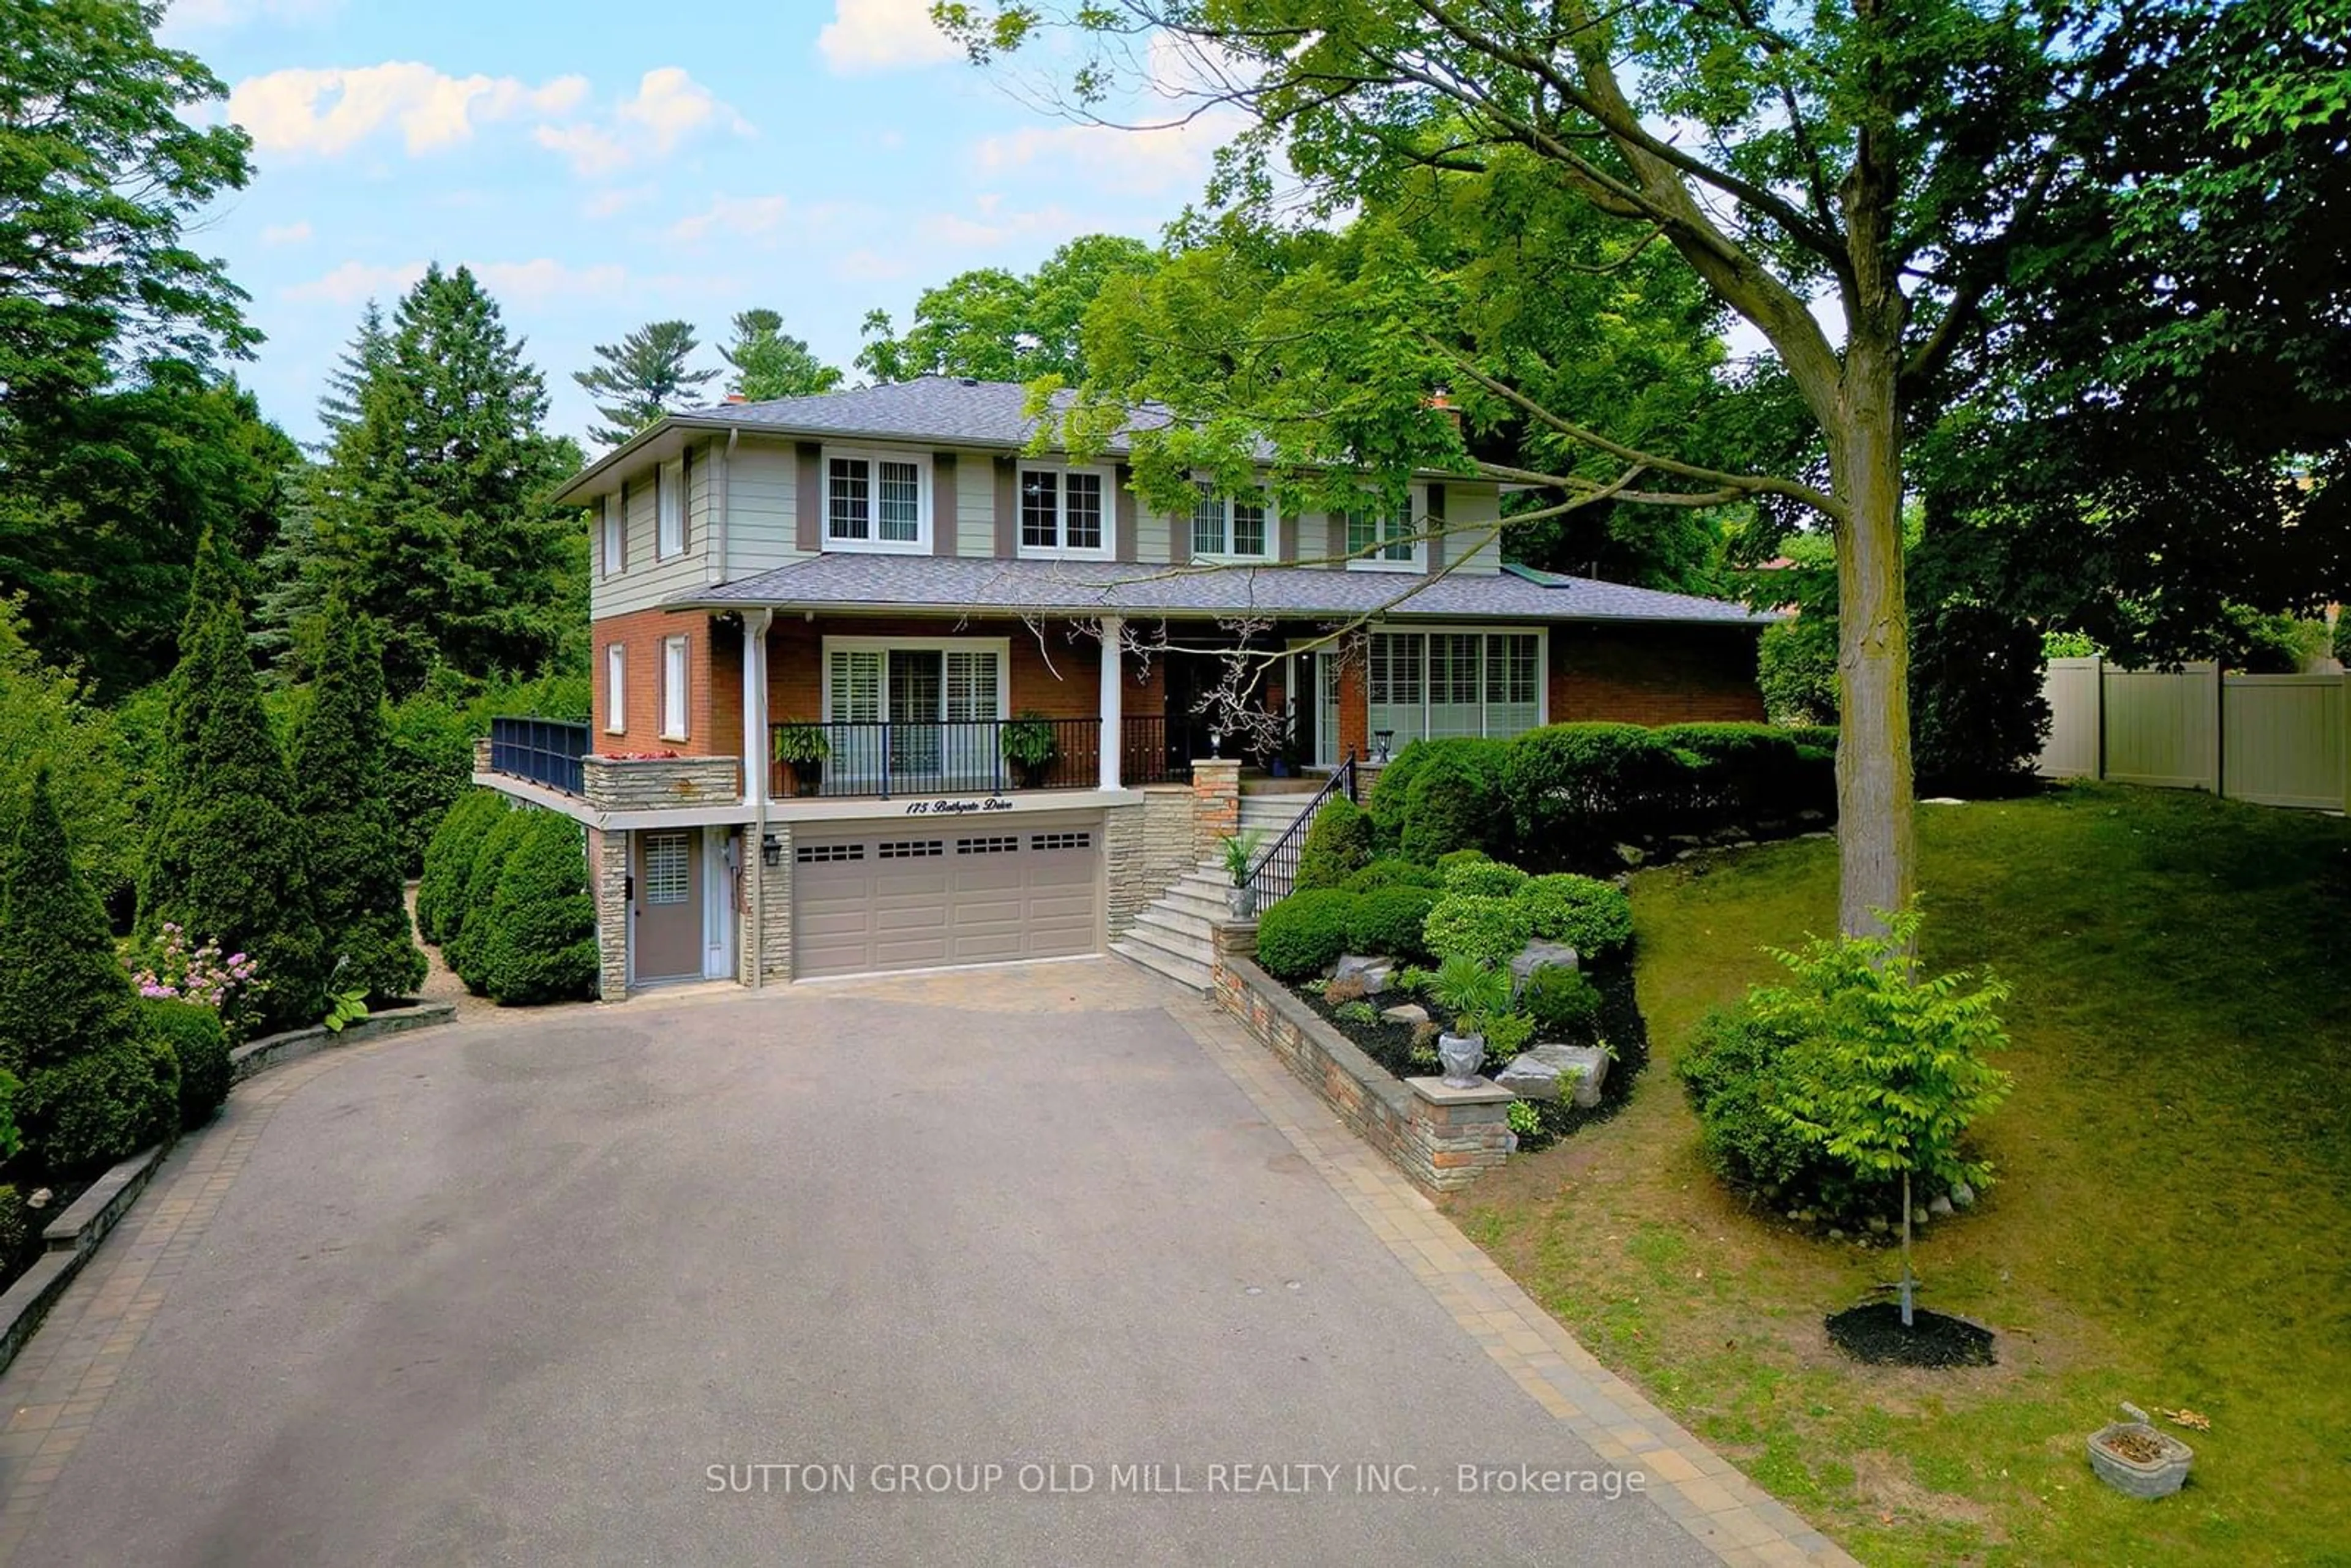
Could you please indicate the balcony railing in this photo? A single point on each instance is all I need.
(542, 750)
(967, 757)
(1144, 757)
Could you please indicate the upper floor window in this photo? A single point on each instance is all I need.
(877, 501)
(1066, 511)
(616, 688)
(1388, 539)
(675, 677)
(616, 532)
(669, 508)
(1236, 529)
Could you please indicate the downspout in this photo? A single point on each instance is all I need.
(755, 778)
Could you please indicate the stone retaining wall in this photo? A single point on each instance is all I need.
(1443, 1139)
(643, 784)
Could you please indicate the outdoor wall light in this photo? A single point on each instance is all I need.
(1382, 740)
(771, 851)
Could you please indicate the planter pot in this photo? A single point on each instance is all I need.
(1242, 902)
(1031, 775)
(2140, 1474)
(807, 778)
(1462, 1055)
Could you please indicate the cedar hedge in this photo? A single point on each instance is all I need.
(449, 863)
(198, 1041)
(541, 942)
(463, 950)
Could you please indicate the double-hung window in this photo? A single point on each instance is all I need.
(1384, 538)
(1230, 528)
(669, 510)
(1432, 685)
(1066, 512)
(615, 549)
(616, 688)
(877, 501)
(675, 677)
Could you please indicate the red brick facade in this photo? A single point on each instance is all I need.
(714, 699)
(1654, 675)
(1057, 675)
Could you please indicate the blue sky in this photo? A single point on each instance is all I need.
(604, 164)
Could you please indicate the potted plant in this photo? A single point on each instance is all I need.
(1027, 744)
(2137, 1457)
(1241, 854)
(804, 748)
(1477, 996)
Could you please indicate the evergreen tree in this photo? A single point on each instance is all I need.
(642, 377)
(356, 369)
(62, 989)
(225, 857)
(339, 792)
(542, 941)
(470, 933)
(449, 863)
(769, 363)
(429, 511)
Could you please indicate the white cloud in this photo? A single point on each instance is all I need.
(668, 107)
(538, 281)
(881, 36)
(860, 266)
(741, 217)
(619, 199)
(356, 280)
(1140, 162)
(994, 226)
(287, 234)
(201, 15)
(326, 112)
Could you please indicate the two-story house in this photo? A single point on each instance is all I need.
(877, 689)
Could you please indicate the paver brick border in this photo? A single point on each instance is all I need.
(271, 1050)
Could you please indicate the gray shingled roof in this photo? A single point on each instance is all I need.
(870, 582)
(931, 408)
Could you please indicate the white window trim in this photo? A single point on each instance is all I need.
(1419, 519)
(616, 688)
(1000, 646)
(924, 522)
(1542, 635)
(612, 542)
(669, 509)
(676, 687)
(1108, 548)
(1226, 556)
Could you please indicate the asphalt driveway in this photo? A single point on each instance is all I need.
(698, 1283)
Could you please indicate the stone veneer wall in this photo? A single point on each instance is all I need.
(773, 951)
(608, 872)
(1216, 805)
(1442, 1139)
(641, 784)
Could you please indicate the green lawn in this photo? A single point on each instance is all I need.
(2171, 1224)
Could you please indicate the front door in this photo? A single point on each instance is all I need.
(668, 905)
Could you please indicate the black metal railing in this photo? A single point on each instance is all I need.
(1145, 757)
(1275, 871)
(543, 750)
(979, 757)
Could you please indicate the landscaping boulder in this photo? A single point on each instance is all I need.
(1405, 1012)
(1534, 956)
(1372, 972)
(1538, 1074)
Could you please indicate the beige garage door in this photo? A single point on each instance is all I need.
(916, 895)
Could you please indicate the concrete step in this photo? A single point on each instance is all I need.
(1186, 972)
(1175, 933)
(1191, 898)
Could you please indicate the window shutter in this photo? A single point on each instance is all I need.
(1125, 514)
(1435, 530)
(1007, 508)
(809, 499)
(944, 520)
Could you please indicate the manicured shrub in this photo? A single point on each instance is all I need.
(1577, 790)
(1489, 879)
(1592, 917)
(1455, 801)
(1472, 925)
(101, 1104)
(463, 951)
(1337, 845)
(1383, 873)
(541, 945)
(1564, 1002)
(354, 856)
(1733, 1069)
(1817, 737)
(1305, 933)
(449, 863)
(199, 1043)
(1446, 862)
(62, 990)
(227, 857)
(1742, 773)
(15, 1222)
(1388, 922)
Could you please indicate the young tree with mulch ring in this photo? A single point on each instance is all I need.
(339, 795)
(541, 942)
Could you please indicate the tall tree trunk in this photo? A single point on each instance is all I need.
(1875, 848)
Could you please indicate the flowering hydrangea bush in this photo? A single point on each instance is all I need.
(200, 973)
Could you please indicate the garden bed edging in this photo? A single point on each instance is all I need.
(70, 1240)
(271, 1050)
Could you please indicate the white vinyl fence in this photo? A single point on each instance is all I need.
(2275, 740)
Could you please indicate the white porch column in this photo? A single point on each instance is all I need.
(755, 707)
(1113, 697)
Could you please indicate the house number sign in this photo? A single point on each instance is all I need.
(957, 808)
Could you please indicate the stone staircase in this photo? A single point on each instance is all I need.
(1171, 936)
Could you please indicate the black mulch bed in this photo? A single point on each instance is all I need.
(1873, 1334)
(1621, 1024)
(28, 1247)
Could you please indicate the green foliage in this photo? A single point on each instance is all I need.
(1451, 858)
(2069, 646)
(1236, 852)
(1304, 933)
(1388, 921)
(1488, 879)
(62, 990)
(16, 1221)
(1592, 917)
(344, 1009)
(1747, 773)
(1978, 717)
(227, 857)
(449, 863)
(1357, 1012)
(1525, 1120)
(995, 326)
(642, 377)
(102, 1104)
(339, 794)
(1337, 846)
(1028, 741)
(1579, 789)
(465, 947)
(1476, 928)
(1506, 1034)
(1564, 1002)
(430, 735)
(1466, 988)
(1454, 801)
(1735, 1069)
(46, 718)
(198, 1044)
(542, 943)
(1381, 874)
(1796, 666)
(769, 362)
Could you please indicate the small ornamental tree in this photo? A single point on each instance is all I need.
(226, 854)
(449, 862)
(464, 949)
(1885, 1070)
(339, 792)
(542, 941)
